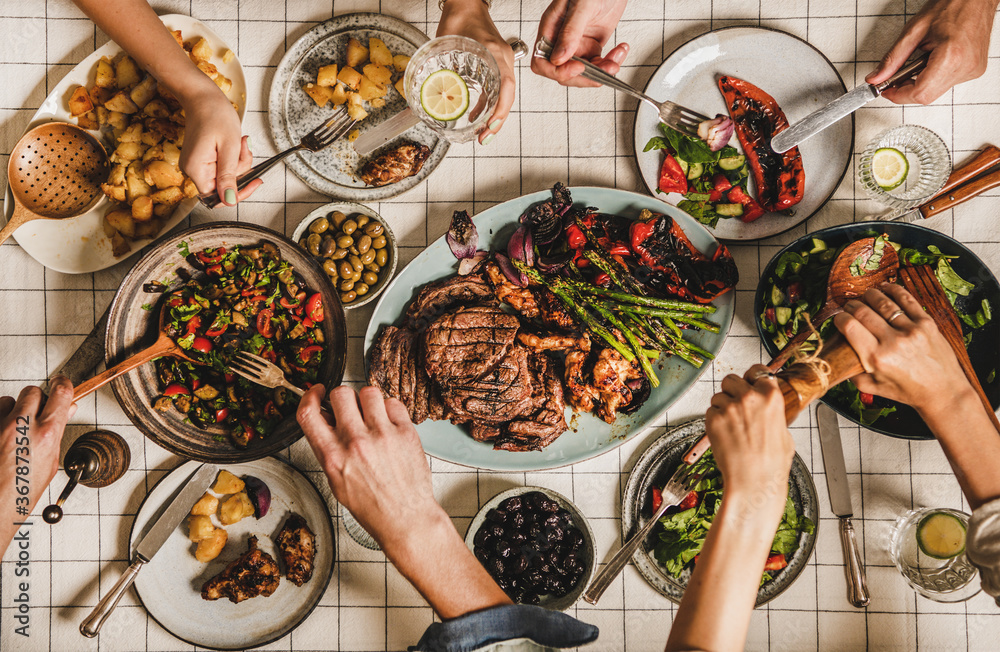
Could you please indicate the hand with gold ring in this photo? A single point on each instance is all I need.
(906, 357)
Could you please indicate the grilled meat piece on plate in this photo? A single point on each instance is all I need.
(251, 574)
(395, 164)
(297, 545)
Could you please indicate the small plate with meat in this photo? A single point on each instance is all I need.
(764, 73)
(271, 573)
(505, 378)
(338, 170)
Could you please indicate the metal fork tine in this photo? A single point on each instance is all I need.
(240, 366)
(244, 374)
(255, 358)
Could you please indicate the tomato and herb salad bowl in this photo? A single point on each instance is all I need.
(666, 560)
(238, 424)
(796, 276)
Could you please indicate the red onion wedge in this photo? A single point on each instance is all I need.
(716, 132)
(462, 237)
(467, 266)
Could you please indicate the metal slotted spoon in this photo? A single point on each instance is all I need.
(55, 172)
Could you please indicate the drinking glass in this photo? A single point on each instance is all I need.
(477, 68)
(929, 161)
(941, 580)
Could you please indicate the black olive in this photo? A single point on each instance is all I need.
(482, 554)
(565, 518)
(554, 534)
(548, 505)
(495, 567)
(512, 504)
(532, 499)
(553, 583)
(482, 538)
(505, 550)
(495, 516)
(534, 578)
(503, 583)
(572, 561)
(196, 418)
(518, 564)
(495, 531)
(530, 597)
(563, 589)
(574, 538)
(545, 568)
(517, 519)
(552, 521)
(535, 532)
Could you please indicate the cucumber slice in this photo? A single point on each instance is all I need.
(732, 162)
(777, 296)
(683, 164)
(782, 315)
(695, 170)
(729, 210)
(781, 339)
(818, 246)
(941, 535)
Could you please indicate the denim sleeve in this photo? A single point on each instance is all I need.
(983, 545)
(508, 622)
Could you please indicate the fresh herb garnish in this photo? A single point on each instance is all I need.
(183, 246)
(147, 306)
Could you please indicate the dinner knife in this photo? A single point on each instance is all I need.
(842, 107)
(88, 355)
(386, 130)
(154, 538)
(962, 185)
(840, 502)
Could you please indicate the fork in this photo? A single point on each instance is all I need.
(674, 115)
(322, 136)
(265, 373)
(674, 492)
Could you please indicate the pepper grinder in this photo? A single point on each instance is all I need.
(95, 460)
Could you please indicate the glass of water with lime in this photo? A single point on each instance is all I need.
(928, 548)
(904, 167)
(452, 83)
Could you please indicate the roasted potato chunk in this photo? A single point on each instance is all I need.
(211, 547)
(144, 92)
(356, 53)
(122, 221)
(122, 103)
(350, 77)
(400, 61)
(327, 75)
(105, 74)
(378, 52)
(169, 196)
(338, 94)
(369, 90)
(235, 509)
(162, 175)
(355, 108)
(142, 210)
(119, 245)
(400, 88)
(127, 72)
(205, 506)
(378, 74)
(200, 527)
(319, 94)
(80, 102)
(227, 483)
(201, 51)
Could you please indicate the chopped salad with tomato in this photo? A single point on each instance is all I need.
(797, 288)
(683, 529)
(248, 299)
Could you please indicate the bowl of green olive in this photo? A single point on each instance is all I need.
(355, 247)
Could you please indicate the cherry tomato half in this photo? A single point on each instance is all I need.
(264, 325)
(202, 344)
(314, 308)
(176, 389)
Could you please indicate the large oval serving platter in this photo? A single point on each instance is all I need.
(588, 436)
(654, 468)
(78, 245)
(133, 320)
(292, 114)
(797, 75)
(984, 349)
(169, 586)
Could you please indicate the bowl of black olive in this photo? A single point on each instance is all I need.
(354, 246)
(536, 545)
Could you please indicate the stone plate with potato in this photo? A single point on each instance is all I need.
(88, 243)
(354, 61)
(170, 586)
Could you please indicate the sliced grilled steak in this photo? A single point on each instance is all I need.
(499, 396)
(435, 299)
(466, 344)
(396, 370)
(547, 420)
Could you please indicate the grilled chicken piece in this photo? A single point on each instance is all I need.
(521, 299)
(611, 374)
(251, 574)
(552, 342)
(579, 393)
(297, 544)
(394, 165)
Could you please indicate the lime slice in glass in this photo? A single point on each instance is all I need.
(941, 535)
(444, 96)
(889, 167)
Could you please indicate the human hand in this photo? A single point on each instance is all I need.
(957, 34)
(471, 18)
(750, 440)
(906, 359)
(214, 152)
(580, 28)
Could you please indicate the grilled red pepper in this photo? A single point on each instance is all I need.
(672, 177)
(657, 499)
(575, 237)
(780, 178)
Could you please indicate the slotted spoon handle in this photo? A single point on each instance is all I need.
(20, 217)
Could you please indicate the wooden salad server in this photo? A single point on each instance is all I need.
(842, 286)
(162, 347)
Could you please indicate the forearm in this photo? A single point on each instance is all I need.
(134, 26)
(969, 440)
(719, 599)
(38, 460)
(439, 565)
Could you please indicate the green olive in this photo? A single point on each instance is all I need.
(368, 256)
(349, 227)
(372, 267)
(345, 269)
(354, 250)
(330, 267)
(313, 242)
(355, 262)
(304, 242)
(356, 276)
(338, 254)
(364, 243)
(320, 225)
(371, 278)
(362, 220)
(328, 246)
(361, 289)
(338, 218)
(347, 297)
(346, 285)
(345, 241)
(381, 257)
(378, 242)
(373, 229)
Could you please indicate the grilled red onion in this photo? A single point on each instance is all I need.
(462, 237)
(521, 246)
(716, 132)
(468, 265)
(511, 272)
(554, 263)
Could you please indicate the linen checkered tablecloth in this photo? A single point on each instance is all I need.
(581, 137)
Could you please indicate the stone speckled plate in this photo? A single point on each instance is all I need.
(169, 586)
(656, 465)
(293, 114)
(797, 75)
(131, 328)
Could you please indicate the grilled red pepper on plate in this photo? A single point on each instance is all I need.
(780, 178)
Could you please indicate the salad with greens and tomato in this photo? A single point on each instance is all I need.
(683, 529)
(797, 288)
(248, 299)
